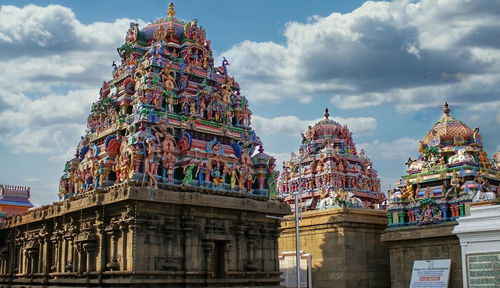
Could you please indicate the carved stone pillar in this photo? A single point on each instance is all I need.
(89, 253)
(113, 262)
(227, 257)
(133, 230)
(65, 257)
(102, 247)
(187, 228)
(240, 232)
(41, 244)
(80, 255)
(208, 251)
(32, 264)
(124, 233)
(19, 266)
(46, 255)
(251, 263)
(169, 263)
(55, 257)
(276, 235)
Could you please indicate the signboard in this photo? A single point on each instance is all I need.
(483, 270)
(288, 267)
(430, 273)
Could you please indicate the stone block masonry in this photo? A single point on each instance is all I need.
(407, 244)
(133, 236)
(345, 246)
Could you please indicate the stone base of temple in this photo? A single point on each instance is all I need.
(344, 245)
(132, 236)
(407, 244)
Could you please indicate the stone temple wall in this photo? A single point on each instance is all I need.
(344, 245)
(407, 244)
(133, 236)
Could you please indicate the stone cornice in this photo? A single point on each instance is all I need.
(132, 190)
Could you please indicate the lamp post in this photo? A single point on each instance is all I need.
(298, 194)
(297, 239)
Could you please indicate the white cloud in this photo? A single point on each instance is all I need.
(48, 140)
(398, 149)
(411, 54)
(280, 157)
(52, 68)
(293, 126)
(44, 194)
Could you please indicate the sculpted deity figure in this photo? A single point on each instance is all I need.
(216, 175)
(483, 159)
(409, 192)
(249, 178)
(309, 133)
(208, 171)
(421, 148)
(234, 176)
(192, 109)
(241, 178)
(203, 107)
(170, 102)
(200, 172)
(150, 164)
(455, 185)
(188, 172)
(167, 79)
(272, 179)
(132, 33)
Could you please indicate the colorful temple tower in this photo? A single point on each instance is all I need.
(163, 189)
(329, 172)
(14, 199)
(169, 116)
(451, 172)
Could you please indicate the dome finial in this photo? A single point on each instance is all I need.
(171, 11)
(326, 113)
(446, 110)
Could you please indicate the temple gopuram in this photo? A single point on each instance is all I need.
(163, 189)
(452, 172)
(329, 172)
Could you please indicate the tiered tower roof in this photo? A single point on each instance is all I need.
(328, 171)
(451, 171)
(170, 116)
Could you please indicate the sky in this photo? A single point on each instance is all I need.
(382, 68)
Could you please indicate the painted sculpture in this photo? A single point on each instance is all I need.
(169, 116)
(329, 172)
(450, 174)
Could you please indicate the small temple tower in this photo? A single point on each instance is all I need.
(163, 189)
(329, 172)
(338, 192)
(14, 199)
(451, 172)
